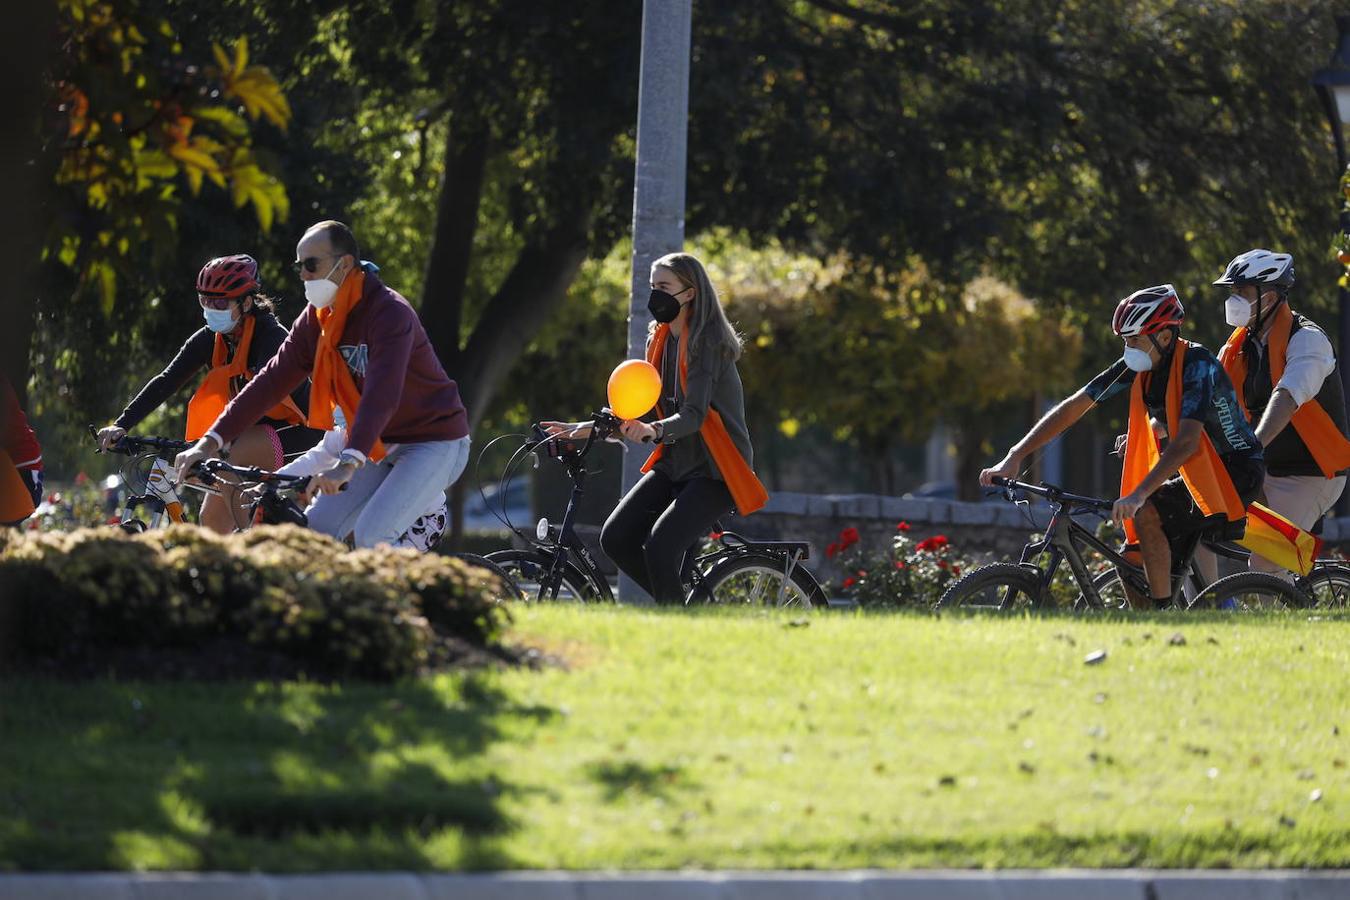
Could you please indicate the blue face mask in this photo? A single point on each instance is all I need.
(221, 321)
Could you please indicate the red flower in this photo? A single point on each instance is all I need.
(942, 564)
(831, 550)
(932, 544)
(900, 564)
(903, 526)
(850, 582)
(956, 570)
(81, 478)
(862, 573)
(848, 537)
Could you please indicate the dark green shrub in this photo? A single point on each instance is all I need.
(276, 591)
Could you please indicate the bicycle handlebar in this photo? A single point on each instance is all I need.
(129, 445)
(212, 467)
(1052, 493)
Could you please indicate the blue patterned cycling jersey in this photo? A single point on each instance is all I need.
(1206, 395)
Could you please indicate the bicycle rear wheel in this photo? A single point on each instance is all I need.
(528, 569)
(1251, 590)
(1328, 586)
(995, 586)
(757, 579)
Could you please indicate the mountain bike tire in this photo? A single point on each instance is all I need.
(527, 567)
(996, 586)
(1251, 590)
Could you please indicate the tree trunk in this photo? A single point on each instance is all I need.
(533, 290)
(447, 271)
(26, 171)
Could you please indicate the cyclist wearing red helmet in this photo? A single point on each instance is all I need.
(1192, 460)
(240, 335)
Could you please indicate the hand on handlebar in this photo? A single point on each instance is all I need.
(109, 435)
(567, 429)
(331, 481)
(205, 448)
(637, 430)
(1006, 468)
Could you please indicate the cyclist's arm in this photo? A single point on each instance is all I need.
(1051, 425)
(267, 341)
(1279, 411)
(688, 419)
(191, 358)
(1180, 447)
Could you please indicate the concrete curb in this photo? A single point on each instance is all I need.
(1071, 884)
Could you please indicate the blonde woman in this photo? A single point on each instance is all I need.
(701, 466)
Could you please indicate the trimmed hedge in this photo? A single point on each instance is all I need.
(279, 598)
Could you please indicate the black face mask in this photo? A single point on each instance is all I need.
(663, 307)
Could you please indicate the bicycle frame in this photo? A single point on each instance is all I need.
(1064, 539)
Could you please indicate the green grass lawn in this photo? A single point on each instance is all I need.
(719, 740)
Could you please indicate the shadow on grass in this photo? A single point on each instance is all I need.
(620, 777)
(279, 777)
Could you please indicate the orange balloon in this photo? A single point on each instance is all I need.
(634, 387)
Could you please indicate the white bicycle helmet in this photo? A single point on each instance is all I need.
(1259, 267)
(1148, 311)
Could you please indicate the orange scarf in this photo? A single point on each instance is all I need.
(331, 381)
(745, 487)
(1204, 473)
(1317, 430)
(215, 391)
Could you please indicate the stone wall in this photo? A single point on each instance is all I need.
(994, 529)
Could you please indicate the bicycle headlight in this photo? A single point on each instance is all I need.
(541, 529)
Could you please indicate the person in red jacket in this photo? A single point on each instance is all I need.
(24, 455)
(365, 351)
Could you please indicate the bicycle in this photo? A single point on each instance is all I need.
(1027, 584)
(271, 500)
(556, 565)
(149, 474)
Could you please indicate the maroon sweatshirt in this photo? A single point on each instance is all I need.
(406, 397)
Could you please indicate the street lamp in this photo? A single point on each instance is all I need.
(1333, 86)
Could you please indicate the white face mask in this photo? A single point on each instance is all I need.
(1237, 311)
(221, 321)
(321, 292)
(1137, 359)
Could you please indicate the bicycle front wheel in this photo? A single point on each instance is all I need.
(528, 569)
(1328, 586)
(757, 579)
(504, 586)
(995, 586)
(1251, 590)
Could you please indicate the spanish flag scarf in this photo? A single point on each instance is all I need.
(332, 382)
(215, 391)
(1317, 430)
(744, 486)
(1204, 473)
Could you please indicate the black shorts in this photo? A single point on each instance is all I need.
(1182, 519)
(295, 439)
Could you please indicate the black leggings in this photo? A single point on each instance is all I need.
(656, 523)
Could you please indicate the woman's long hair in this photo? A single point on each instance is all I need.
(708, 327)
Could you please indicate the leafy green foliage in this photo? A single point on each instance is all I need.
(74, 599)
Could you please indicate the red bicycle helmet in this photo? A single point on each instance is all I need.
(228, 276)
(1148, 311)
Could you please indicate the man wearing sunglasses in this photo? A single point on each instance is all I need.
(366, 353)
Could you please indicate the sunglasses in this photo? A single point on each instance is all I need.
(210, 302)
(311, 263)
